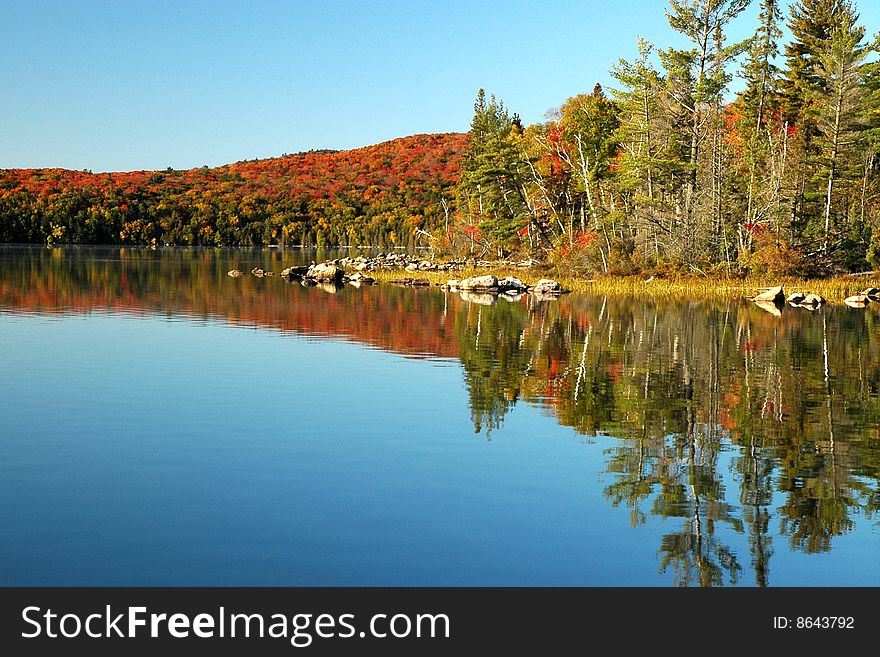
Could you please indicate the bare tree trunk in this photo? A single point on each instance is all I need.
(832, 169)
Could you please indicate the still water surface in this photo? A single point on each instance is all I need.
(165, 424)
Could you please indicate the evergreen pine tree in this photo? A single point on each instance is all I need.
(493, 174)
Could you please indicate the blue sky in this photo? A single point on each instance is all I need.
(122, 85)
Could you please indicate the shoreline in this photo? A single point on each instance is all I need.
(686, 286)
(834, 289)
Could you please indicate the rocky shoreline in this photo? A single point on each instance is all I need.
(333, 275)
(772, 299)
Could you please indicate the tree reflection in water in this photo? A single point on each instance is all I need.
(718, 414)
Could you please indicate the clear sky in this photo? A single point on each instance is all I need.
(146, 84)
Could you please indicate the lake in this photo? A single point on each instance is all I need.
(165, 424)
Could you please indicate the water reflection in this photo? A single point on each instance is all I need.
(723, 415)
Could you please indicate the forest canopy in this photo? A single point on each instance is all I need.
(375, 195)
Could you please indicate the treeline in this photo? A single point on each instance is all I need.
(670, 169)
(382, 195)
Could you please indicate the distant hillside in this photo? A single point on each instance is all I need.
(374, 195)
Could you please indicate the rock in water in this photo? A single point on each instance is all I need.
(487, 282)
(796, 298)
(294, 272)
(511, 283)
(235, 273)
(547, 286)
(857, 301)
(772, 294)
(325, 272)
(359, 279)
(813, 300)
(871, 291)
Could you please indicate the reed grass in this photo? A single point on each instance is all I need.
(696, 287)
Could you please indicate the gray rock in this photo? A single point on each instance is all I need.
(813, 300)
(294, 272)
(546, 287)
(325, 272)
(359, 279)
(478, 283)
(857, 301)
(772, 294)
(511, 283)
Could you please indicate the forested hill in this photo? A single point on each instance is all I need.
(379, 194)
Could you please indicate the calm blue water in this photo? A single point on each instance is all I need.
(203, 445)
(149, 451)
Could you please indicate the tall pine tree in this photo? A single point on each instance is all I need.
(493, 174)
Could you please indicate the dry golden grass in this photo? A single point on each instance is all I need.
(833, 289)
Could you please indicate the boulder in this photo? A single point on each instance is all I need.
(813, 300)
(479, 283)
(772, 294)
(294, 272)
(857, 301)
(235, 273)
(871, 291)
(326, 272)
(259, 273)
(511, 283)
(359, 279)
(547, 287)
(452, 284)
(796, 298)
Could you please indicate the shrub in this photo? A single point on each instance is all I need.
(773, 257)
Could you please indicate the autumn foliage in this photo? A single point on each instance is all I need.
(373, 195)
